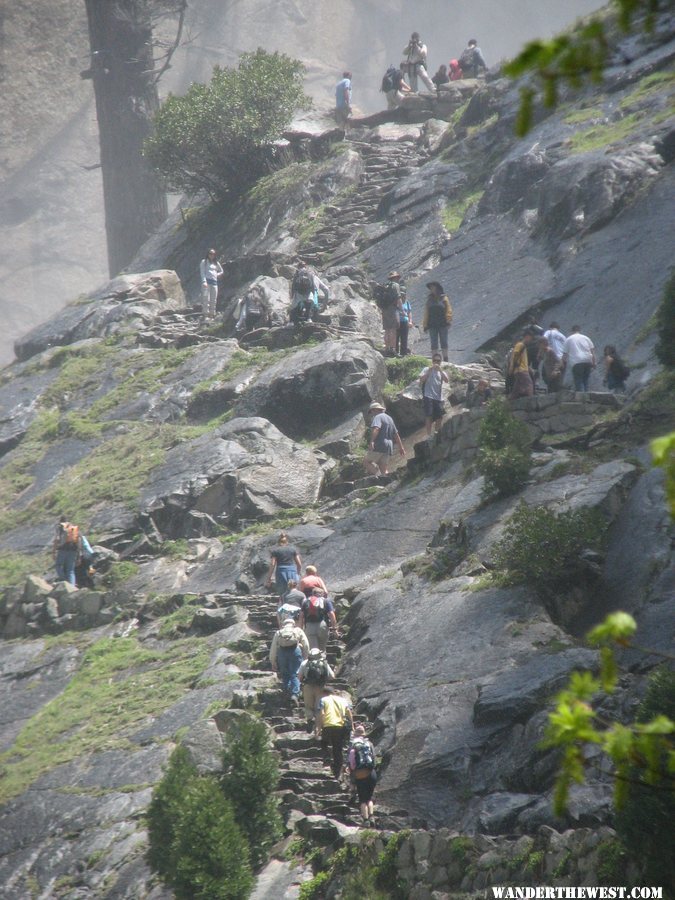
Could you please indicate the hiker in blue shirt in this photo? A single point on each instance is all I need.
(343, 98)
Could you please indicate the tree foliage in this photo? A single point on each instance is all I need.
(219, 136)
(663, 452)
(642, 753)
(572, 58)
(250, 777)
(503, 450)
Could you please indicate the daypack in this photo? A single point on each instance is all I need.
(388, 296)
(622, 370)
(316, 609)
(303, 283)
(287, 635)
(316, 672)
(364, 760)
(467, 59)
(436, 314)
(69, 535)
(390, 80)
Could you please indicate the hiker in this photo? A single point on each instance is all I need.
(383, 435)
(616, 370)
(552, 369)
(305, 288)
(316, 617)
(311, 580)
(579, 355)
(84, 569)
(335, 722)
(455, 70)
(291, 603)
(437, 318)
(289, 648)
(441, 76)
(343, 98)
(534, 356)
(556, 339)
(66, 548)
(431, 381)
(388, 299)
(521, 384)
(394, 86)
(405, 323)
(254, 309)
(415, 53)
(209, 271)
(313, 674)
(285, 563)
(361, 761)
(479, 394)
(472, 60)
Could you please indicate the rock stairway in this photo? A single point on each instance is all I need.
(306, 786)
(177, 329)
(386, 162)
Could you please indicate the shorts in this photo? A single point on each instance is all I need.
(433, 409)
(365, 787)
(381, 460)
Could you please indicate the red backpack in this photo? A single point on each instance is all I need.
(316, 609)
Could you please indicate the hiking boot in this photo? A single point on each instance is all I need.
(309, 726)
(294, 701)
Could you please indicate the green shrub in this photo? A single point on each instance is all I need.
(541, 547)
(211, 853)
(645, 821)
(218, 136)
(503, 450)
(665, 324)
(164, 811)
(250, 778)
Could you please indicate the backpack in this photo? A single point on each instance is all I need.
(287, 635)
(364, 761)
(623, 371)
(303, 283)
(390, 80)
(316, 672)
(467, 59)
(316, 609)
(436, 314)
(388, 296)
(69, 535)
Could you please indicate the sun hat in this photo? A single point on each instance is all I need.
(376, 405)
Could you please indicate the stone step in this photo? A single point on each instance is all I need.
(313, 788)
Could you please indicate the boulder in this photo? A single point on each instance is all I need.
(513, 180)
(313, 389)
(245, 469)
(345, 437)
(204, 745)
(208, 621)
(125, 302)
(36, 588)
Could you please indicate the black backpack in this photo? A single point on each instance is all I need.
(363, 756)
(316, 672)
(303, 283)
(388, 295)
(467, 59)
(436, 313)
(390, 80)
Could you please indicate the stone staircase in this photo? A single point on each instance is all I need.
(386, 162)
(306, 787)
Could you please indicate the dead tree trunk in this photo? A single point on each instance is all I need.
(120, 35)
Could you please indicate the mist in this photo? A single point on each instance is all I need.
(52, 239)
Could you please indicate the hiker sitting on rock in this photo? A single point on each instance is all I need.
(455, 70)
(335, 722)
(289, 648)
(67, 549)
(441, 76)
(317, 615)
(361, 761)
(305, 289)
(383, 435)
(313, 674)
(479, 394)
(285, 564)
(291, 605)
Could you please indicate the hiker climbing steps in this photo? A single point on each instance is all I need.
(306, 785)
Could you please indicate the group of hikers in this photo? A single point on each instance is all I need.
(549, 354)
(305, 618)
(397, 317)
(399, 81)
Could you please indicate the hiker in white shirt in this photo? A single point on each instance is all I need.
(579, 355)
